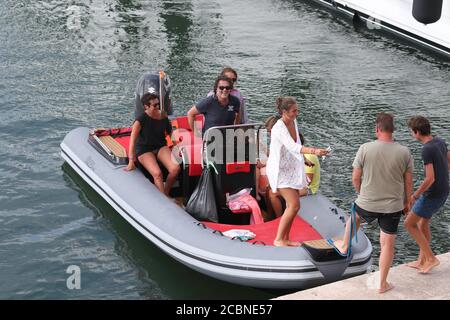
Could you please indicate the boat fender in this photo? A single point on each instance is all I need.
(427, 11)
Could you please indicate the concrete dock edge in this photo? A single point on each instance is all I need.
(408, 285)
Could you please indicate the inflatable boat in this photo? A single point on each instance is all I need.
(99, 156)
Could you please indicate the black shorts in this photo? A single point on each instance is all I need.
(388, 222)
(144, 149)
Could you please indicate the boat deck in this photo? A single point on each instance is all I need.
(265, 233)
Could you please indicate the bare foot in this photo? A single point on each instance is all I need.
(415, 264)
(385, 288)
(280, 243)
(339, 244)
(294, 243)
(427, 266)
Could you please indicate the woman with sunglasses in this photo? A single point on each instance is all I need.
(220, 109)
(148, 143)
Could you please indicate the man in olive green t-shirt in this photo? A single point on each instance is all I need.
(382, 177)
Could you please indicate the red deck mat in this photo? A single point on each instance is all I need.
(266, 232)
(124, 141)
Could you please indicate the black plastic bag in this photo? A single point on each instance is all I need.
(202, 203)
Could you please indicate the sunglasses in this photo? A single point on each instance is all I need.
(154, 105)
(223, 88)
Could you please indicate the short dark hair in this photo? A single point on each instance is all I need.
(222, 78)
(145, 99)
(385, 122)
(420, 124)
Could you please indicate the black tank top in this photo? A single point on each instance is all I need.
(153, 132)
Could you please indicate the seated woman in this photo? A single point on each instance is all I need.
(148, 143)
(262, 182)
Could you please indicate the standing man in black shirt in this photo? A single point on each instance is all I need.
(431, 194)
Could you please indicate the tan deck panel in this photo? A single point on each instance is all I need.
(318, 244)
(116, 148)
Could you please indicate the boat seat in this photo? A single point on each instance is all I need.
(232, 178)
(190, 146)
(234, 174)
(183, 123)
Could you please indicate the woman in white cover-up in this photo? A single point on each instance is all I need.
(285, 165)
